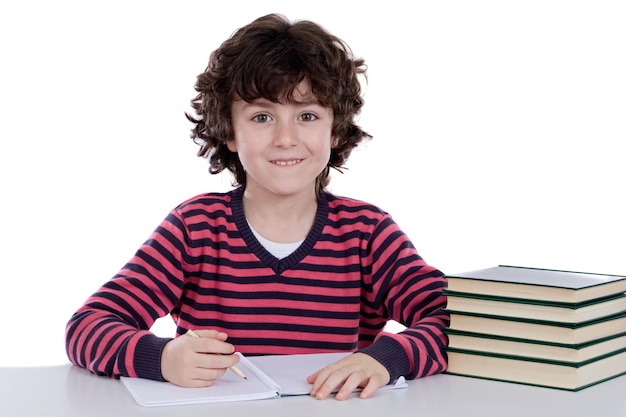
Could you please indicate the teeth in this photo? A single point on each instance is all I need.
(286, 163)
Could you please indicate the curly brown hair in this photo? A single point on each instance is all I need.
(269, 58)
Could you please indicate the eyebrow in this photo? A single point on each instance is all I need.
(263, 102)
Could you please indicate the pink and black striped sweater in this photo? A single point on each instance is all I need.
(355, 271)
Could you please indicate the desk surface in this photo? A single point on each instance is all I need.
(68, 391)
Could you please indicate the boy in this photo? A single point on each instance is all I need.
(277, 265)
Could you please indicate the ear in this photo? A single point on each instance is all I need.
(232, 146)
(334, 142)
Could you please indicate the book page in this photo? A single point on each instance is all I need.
(230, 387)
(290, 371)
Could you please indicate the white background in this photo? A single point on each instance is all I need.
(499, 129)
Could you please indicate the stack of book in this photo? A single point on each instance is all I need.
(549, 328)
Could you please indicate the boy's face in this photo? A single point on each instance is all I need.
(282, 147)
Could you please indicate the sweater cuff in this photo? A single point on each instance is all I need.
(391, 355)
(147, 360)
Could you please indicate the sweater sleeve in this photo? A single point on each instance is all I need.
(404, 288)
(109, 334)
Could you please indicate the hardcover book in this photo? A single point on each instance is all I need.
(529, 348)
(570, 376)
(537, 284)
(537, 310)
(567, 333)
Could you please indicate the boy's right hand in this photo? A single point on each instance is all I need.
(197, 361)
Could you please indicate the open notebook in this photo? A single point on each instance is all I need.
(270, 376)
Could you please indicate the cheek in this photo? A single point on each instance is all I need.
(324, 151)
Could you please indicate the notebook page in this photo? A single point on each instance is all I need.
(230, 387)
(290, 371)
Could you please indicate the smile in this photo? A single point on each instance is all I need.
(287, 163)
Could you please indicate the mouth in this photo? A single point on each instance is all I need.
(285, 163)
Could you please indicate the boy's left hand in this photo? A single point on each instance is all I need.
(358, 370)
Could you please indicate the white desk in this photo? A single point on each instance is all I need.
(69, 391)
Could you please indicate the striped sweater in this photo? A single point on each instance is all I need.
(355, 271)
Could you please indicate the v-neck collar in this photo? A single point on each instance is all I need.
(279, 265)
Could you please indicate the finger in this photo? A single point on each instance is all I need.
(317, 380)
(212, 345)
(352, 383)
(327, 383)
(311, 378)
(208, 375)
(372, 386)
(211, 334)
(215, 361)
(203, 378)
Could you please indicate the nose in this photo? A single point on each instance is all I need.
(285, 134)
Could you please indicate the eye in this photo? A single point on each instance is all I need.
(308, 117)
(261, 118)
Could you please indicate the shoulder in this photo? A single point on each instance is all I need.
(350, 213)
(204, 201)
(346, 206)
(212, 211)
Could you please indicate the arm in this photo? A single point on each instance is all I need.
(109, 334)
(398, 285)
(411, 292)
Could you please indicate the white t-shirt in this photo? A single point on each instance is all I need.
(279, 250)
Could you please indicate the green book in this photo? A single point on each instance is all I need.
(537, 284)
(530, 348)
(541, 330)
(570, 376)
(535, 309)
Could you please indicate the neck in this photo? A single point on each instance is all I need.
(281, 219)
